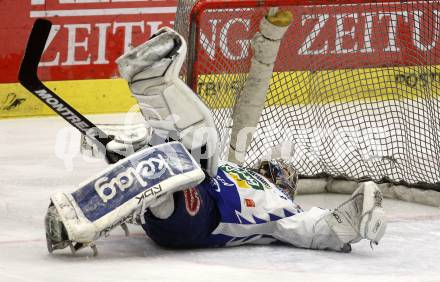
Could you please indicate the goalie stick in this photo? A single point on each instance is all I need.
(28, 77)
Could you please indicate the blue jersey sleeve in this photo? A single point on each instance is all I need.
(194, 218)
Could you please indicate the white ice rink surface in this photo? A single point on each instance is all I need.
(36, 161)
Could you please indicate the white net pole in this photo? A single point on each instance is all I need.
(265, 45)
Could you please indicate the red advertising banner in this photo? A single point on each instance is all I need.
(87, 36)
(327, 37)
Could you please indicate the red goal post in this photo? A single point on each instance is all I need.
(364, 73)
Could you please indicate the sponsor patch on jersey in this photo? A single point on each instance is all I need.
(249, 203)
(192, 201)
(244, 178)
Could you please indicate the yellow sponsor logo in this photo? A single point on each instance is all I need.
(86, 96)
(328, 86)
(240, 182)
(243, 178)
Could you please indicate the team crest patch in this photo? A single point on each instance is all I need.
(192, 201)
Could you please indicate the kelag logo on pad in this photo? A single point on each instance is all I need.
(139, 176)
(145, 171)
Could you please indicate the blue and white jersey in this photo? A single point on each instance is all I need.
(236, 207)
(249, 206)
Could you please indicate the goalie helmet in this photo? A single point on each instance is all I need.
(280, 173)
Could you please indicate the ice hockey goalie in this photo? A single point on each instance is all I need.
(179, 192)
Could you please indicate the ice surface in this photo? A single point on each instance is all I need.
(37, 158)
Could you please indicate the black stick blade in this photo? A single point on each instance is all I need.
(28, 77)
(34, 51)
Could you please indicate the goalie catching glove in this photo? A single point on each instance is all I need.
(169, 106)
(126, 189)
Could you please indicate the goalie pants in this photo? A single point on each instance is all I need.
(235, 209)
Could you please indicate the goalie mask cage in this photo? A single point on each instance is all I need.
(354, 92)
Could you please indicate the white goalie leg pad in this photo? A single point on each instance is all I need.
(372, 225)
(111, 198)
(308, 230)
(361, 217)
(166, 102)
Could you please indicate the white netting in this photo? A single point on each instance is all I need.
(355, 88)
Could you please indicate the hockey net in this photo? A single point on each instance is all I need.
(354, 92)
